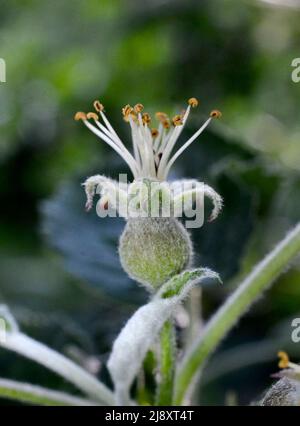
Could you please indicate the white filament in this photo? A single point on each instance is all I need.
(184, 147)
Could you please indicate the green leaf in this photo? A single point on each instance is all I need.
(178, 283)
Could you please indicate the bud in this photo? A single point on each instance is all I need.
(285, 392)
(152, 250)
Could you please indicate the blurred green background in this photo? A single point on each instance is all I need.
(59, 269)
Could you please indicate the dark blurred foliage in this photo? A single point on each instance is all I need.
(59, 269)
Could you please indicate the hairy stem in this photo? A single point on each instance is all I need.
(236, 305)
(38, 395)
(40, 353)
(195, 314)
(167, 364)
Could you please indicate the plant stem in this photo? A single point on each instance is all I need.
(40, 353)
(38, 395)
(236, 305)
(167, 364)
(195, 314)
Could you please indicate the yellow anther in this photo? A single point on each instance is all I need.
(126, 110)
(154, 133)
(177, 120)
(216, 113)
(146, 118)
(98, 106)
(193, 102)
(92, 115)
(166, 123)
(134, 116)
(80, 116)
(129, 116)
(161, 116)
(283, 359)
(138, 108)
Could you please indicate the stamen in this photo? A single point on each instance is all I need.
(138, 108)
(216, 114)
(161, 116)
(166, 124)
(146, 118)
(145, 136)
(169, 144)
(135, 141)
(140, 148)
(185, 145)
(193, 102)
(98, 106)
(92, 115)
(80, 116)
(286, 363)
(177, 120)
(110, 130)
(133, 116)
(152, 147)
(283, 359)
(122, 151)
(110, 133)
(126, 118)
(127, 111)
(154, 133)
(159, 140)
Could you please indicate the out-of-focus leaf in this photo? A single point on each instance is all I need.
(89, 243)
(219, 245)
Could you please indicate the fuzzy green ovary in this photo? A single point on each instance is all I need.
(153, 250)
